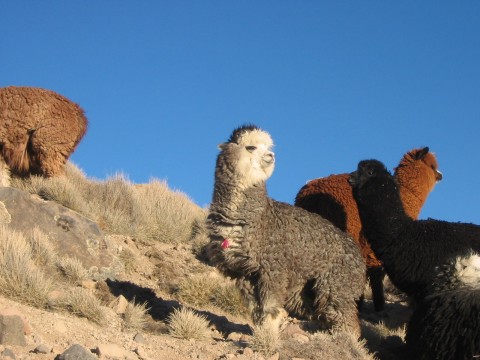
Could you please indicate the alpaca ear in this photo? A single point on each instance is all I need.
(221, 146)
(421, 153)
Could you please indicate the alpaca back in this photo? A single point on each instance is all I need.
(39, 129)
(331, 197)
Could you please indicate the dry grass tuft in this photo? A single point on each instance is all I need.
(72, 269)
(43, 250)
(266, 338)
(228, 298)
(135, 316)
(388, 342)
(323, 345)
(203, 290)
(20, 278)
(168, 215)
(186, 324)
(83, 304)
(59, 189)
(127, 257)
(197, 290)
(114, 206)
(148, 212)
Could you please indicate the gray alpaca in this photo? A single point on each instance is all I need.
(289, 258)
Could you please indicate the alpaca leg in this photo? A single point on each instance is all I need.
(343, 319)
(360, 302)
(267, 309)
(376, 275)
(335, 309)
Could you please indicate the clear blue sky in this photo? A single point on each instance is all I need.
(334, 82)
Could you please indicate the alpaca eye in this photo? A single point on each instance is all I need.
(370, 172)
(251, 148)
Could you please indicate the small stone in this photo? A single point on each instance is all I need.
(248, 351)
(301, 338)
(291, 329)
(8, 353)
(43, 349)
(89, 284)
(119, 305)
(54, 297)
(139, 338)
(27, 329)
(12, 330)
(112, 351)
(275, 356)
(76, 352)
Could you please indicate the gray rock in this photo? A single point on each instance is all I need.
(8, 353)
(76, 352)
(71, 233)
(12, 330)
(43, 349)
(139, 338)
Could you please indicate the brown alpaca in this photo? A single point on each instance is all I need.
(332, 198)
(39, 130)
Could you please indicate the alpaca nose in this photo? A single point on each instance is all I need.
(269, 157)
(438, 175)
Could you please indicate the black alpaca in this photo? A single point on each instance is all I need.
(436, 262)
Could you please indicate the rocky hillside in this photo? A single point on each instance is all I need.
(107, 267)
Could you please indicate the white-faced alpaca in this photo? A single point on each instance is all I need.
(436, 262)
(292, 259)
(39, 130)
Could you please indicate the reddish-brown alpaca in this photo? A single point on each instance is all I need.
(39, 130)
(332, 198)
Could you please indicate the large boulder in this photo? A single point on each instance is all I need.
(72, 234)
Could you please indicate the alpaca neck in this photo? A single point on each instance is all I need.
(381, 212)
(414, 186)
(411, 201)
(236, 204)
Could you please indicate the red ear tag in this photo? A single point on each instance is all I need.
(225, 244)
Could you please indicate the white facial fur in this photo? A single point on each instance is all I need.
(468, 270)
(256, 160)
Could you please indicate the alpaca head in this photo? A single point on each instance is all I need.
(367, 171)
(376, 192)
(246, 159)
(420, 163)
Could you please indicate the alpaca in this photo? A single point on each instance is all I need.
(399, 241)
(39, 129)
(435, 262)
(292, 259)
(331, 197)
(446, 323)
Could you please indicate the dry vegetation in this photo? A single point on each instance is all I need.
(162, 228)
